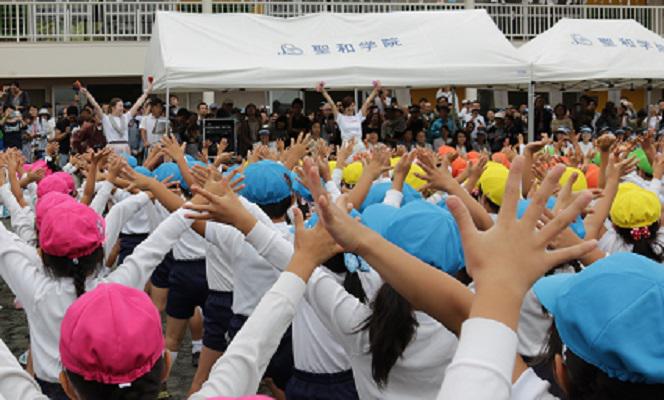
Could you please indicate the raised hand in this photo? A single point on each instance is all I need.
(172, 148)
(512, 255)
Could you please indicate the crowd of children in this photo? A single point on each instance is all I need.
(370, 272)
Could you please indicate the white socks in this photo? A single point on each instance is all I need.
(196, 346)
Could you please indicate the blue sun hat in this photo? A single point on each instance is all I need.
(299, 188)
(577, 226)
(266, 182)
(131, 160)
(429, 233)
(169, 169)
(611, 315)
(378, 190)
(377, 216)
(144, 171)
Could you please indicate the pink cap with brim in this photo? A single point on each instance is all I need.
(37, 165)
(256, 397)
(48, 201)
(71, 230)
(68, 179)
(52, 183)
(111, 335)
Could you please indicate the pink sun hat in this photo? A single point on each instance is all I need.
(111, 335)
(48, 201)
(52, 183)
(71, 230)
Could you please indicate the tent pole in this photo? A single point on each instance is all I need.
(168, 103)
(531, 111)
(269, 101)
(356, 99)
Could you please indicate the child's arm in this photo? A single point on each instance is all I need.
(15, 383)
(239, 371)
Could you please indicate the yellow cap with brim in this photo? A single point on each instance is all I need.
(635, 207)
(493, 181)
(580, 184)
(352, 172)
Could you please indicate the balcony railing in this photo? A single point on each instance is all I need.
(106, 20)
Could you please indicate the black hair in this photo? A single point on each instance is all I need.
(647, 246)
(278, 209)
(144, 388)
(587, 382)
(72, 111)
(15, 83)
(495, 208)
(78, 269)
(391, 327)
(347, 101)
(352, 282)
(297, 101)
(114, 101)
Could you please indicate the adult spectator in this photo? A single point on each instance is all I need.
(64, 129)
(116, 124)
(150, 134)
(16, 98)
(13, 127)
(434, 134)
(421, 141)
(250, 124)
(497, 133)
(394, 125)
(173, 106)
(90, 135)
(477, 119)
(297, 121)
(543, 117)
(608, 118)
(202, 112)
(561, 119)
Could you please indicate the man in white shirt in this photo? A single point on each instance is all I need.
(148, 128)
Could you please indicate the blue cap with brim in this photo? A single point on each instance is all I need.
(577, 226)
(611, 315)
(169, 169)
(299, 188)
(378, 190)
(266, 182)
(429, 233)
(377, 216)
(189, 158)
(143, 171)
(131, 160)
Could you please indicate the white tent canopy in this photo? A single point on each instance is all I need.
(402, 49)
(596, 53)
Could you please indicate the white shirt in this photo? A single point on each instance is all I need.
(420, 370)
(22, 218)
(143, 221)
(191, 245)
(315, 349)
(586, 147)
(350, 126)
(483, 364)
(611, 242)
(228, 248)
(149, 123)
(15, 383)
(45, 299)
(239, 371)
(529, 386)
(121, 134)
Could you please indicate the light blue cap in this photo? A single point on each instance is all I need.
(169, 169)
(299, 188)
(429, 233)
(611, 315)
(189, 158)
(577, 226)
(131, 160)
(143, 171)
(378, 190)
(266, 182)
(377, 216)
(586, 129)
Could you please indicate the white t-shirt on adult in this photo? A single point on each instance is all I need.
(149, 123)
(118, 129)
(350, 127)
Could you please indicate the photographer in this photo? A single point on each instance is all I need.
(13, 127)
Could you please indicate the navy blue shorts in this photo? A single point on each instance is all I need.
(159, 278)
(188, 288)
(53, 391)
(217, 319)
(128, 243)
(308, 386)
(281, 365)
